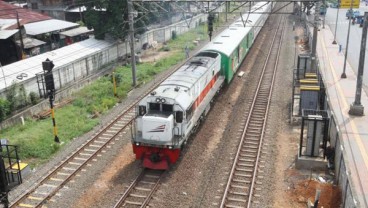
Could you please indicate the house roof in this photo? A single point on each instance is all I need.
(46, 26)
(5, 34)
(9, 11)
(31, 42)
(76, 31)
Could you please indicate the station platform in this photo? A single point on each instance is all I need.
(352, 131)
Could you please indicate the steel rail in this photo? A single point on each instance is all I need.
(265, 120)
(134, 184)
(234, 166)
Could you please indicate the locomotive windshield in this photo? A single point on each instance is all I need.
(158, 107)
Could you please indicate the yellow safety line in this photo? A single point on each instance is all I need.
(358, 139)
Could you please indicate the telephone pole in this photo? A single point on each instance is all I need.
(131, 35)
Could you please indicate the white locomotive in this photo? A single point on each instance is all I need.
(169, 113)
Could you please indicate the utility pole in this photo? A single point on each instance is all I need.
(20, 37)
(343, 75)
(131, 34)
(357, 108)
(314, 43)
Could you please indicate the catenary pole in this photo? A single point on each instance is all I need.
(131, 34)
(357, 108)
(337, 19)
(343, 75)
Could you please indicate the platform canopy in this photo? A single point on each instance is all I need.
(47, 26)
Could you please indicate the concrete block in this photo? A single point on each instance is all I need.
(307, 163)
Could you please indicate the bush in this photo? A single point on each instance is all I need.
(4, 109)
(166, 48)
(118, 78)
(22, 97)
(173, 35)
(11, 94)
(33, 97)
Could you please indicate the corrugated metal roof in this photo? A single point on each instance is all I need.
(9, 11)
(5, 34)
(60, 57)
(76, 31)
(31, 42)
(6, 23)
(46, 26)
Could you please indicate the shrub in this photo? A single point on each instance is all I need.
(4, 109)
(22, 97)
(11, 94)
(173, 35)
(33, 97)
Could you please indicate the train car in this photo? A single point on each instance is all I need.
(170, 113)
(234, 43)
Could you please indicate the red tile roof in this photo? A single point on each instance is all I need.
(8, 11)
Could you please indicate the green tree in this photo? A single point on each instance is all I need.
(111, 17)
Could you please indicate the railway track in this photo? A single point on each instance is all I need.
(64, 172)
(50, 184)
(141, 190)
(241, 183)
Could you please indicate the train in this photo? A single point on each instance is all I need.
(170, 113)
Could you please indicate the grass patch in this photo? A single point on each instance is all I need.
(35, 139)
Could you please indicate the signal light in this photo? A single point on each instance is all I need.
(210, 19)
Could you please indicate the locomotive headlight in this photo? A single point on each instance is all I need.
(158, 100)
(137, 143)
(171, 147)
(163, 100)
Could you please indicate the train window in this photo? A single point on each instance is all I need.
(142, 110)
(154, 106)
(179, 116)
(167, 108)
(189, 113)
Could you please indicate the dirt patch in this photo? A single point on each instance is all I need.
(330, 194)
(152, 55)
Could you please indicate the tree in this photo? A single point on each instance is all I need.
(111, 17)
